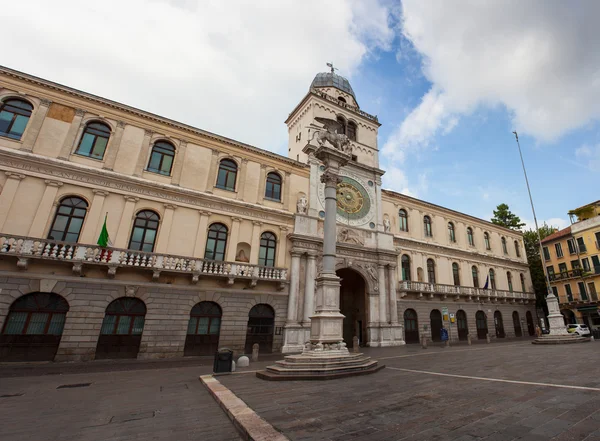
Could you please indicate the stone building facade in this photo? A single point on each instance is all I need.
(216, 243)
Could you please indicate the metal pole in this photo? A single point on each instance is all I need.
(537, 230)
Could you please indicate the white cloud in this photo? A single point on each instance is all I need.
(555, 222)
(589, 156)
(233, 67)
(395, 179)
(538, 58)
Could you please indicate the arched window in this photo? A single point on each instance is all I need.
(411, 326)
(462, 325)
(68, 219)
(403, 219)
(203, 329)
(517, 250)
(273, 186)
(122, 327)
(492, 279)
(504, 246)
(481, 322)
(456, 274)
(342, 99)
(161, 158)
(227, 174)
(522, 277)
(268, 246)
(342, 122)
(14, 116)
(94, 140)
(517, 324)
(486, 239)
(470, 237)
(475, 273)
(351, 129)
(144, 231)
(405, 263)
(427, 226)
(430, 271)
(216, 243)
(509, 279)
(499, 324)
(451, 232)
(261, 321)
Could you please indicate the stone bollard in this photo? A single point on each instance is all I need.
(487, 337)
(424, 342)
(355, 344)
(255, 352)
(243, 361)
(447, 345)
(232, 366)
(469, 339)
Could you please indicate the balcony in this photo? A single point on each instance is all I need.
(574, 274)
(468, 292)
(26, 249)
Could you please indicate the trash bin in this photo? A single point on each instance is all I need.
(596, 334)
(223, 360)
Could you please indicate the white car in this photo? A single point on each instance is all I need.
(582, 330)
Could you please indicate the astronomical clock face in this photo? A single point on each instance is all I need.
(354, 201)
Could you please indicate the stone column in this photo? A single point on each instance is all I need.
(200, 244)
(392, 275)
(112, 149)
(178, 164)
(309, 287)
(125, 223)
(382, 294)
(233, 239)
(69, 141)
(94, 218)
(44, 209)
(35, 125)
(282, 246)
(292, 312)
(241, 183)
(255, 242)
(143, 154)
(162, 244)
(261, 184)
(286, 191)
(379, 207)
(8, 195)
(212, 171)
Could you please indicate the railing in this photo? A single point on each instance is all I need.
(574, 273)
(346, 105)
(26, 248)
(437, 288)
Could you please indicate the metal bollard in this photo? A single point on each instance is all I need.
(255, 352)
(469, 339)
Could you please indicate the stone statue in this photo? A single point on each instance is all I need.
(347, 235)
(241, 257)
(339, 141)
(302, 205)
(386, 225)
(372, 272)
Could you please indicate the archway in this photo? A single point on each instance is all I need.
(33, 328)
(353, 306)
(530, 325)
(569, 317)
(203, 329)
(261, 323)
(121, 332)
(411, 326)
(499, 325)
(517, 324)
(435, 318)
(461, 324)
(482, 327)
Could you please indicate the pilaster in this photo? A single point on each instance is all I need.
(94, 218)
(282, 246)
(179, 161)
(162, 243)
(35, 125)
(125, 222)
(255, 246)
(143, 154)
(212, 171)
(44, 209)
(69, 141)
(201, 233)
(261, 184)
(112, 149)
(8, 195)
(233, 239)
(241, 183)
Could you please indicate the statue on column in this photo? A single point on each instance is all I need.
(332, 134)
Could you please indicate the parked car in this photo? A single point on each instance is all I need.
(582, 330)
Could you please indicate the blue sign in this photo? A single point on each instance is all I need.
(444, 334)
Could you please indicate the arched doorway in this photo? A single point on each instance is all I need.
(121, 332)
(411, 326)
(352, 306)
(33, 327)
(482, 327)
(499, 325)
(435, 318)
(530, 326)
(261, 322)
(569, 317)
(461, 324)
(517, 324)
(203, 329)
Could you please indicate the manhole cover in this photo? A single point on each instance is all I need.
(67, 386)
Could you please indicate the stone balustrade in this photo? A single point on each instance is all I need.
(470, 293)
(26, 248)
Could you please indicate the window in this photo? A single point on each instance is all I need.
(161, 158)
(456, 274)
(227, 175)
(403, 219)
(351, 129)
(492, 279)
(581, 245)
(342, 123)
(517, 249)
(68, 220)
(405, 261)
(268, 245)
(555, 291)
(571, 244)
(144, 231)
(575, 264)
(124, 316)
(94, 140)
(36, 314)
(14, 116)
(475, 273)
(558, 248)
(546, 253)
(586, 264)
(430, 271)
(470, 237)
(216, 242)
(504, 246)
(550, 270)
(342, 99)
(562, 267)
(569, 292)
(522, 277)
(273, 186)
(509, 279)
(486, 239)
(451, 232)
(597, 240)
(582, 292)
(427, 226)
(593, 293)
(205, 319)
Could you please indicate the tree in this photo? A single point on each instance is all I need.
(504, 217)
(532, 248)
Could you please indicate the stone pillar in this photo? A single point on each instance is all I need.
(200, 244)
(125, 222)
(8, 195)
(94, 218)
(382, 295)
(233, 239)
(212, 171)
(292, 312)
(112, 149)
(286, 191)
(261, 184)
(44, 209)
(309, 287)
(241, 183)
(379, 207)
(69, 141)
(555, 318)
(282, 247)
(393, 294)
(255, 242)
(143, 154)
(178, 164)
(162, 243)
(35, 125)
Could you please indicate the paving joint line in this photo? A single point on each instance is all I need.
(445, 352)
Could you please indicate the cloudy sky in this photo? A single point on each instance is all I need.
(449, 81)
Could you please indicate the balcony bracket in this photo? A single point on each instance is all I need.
(22, 263)
(230, 280)
(469, 299)
(282, 285)
(195, 278)
(457, 297)
(155, 275)
(253, 282)
(77, 268)
(112, 270)
(431, 296)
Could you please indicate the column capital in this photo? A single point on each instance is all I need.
(120, 124)
(15, 176)
(204, 213)
(130, 198)
(236, 219)
(381, 265)
(296, 252)
(263, 166)
(244, 161)
(51, 183)
(45, 102)
(100, 192)
(215, 152)
(283, 228)
(183, 144)
(79, 112)
(393, 266)
(170, 206)
(148, 133)
(330, 178)
(257, 223)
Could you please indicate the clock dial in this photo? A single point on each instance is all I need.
(353, 201)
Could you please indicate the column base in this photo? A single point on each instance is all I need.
(383, 335)
(293, 338)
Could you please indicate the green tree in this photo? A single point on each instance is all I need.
(532, 248)
(504, 217)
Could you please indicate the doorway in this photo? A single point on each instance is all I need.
(436, 325)
(482, 327)
(499, 325)
(461, 324)
(261, 323)
(353, 306)
(411, 326)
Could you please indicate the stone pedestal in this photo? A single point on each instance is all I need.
(558, 331)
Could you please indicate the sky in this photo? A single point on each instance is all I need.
(449, 81)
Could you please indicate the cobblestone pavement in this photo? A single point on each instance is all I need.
(407, 405)
(149, 404)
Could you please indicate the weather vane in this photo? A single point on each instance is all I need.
(332, 68)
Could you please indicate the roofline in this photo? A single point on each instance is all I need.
(395, 193)
(144, 114)
(551, 239)
(585, 206)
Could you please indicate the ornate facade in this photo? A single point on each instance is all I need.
(215, 242)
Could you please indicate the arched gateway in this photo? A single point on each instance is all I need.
(353, 306)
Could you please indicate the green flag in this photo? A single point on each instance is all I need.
(104, 239)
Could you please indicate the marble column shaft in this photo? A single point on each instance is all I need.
(309, 287)
(382, 294)
(292, 313)
(392, 276)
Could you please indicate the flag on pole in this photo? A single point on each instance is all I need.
(104, 239)
(487, 279)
